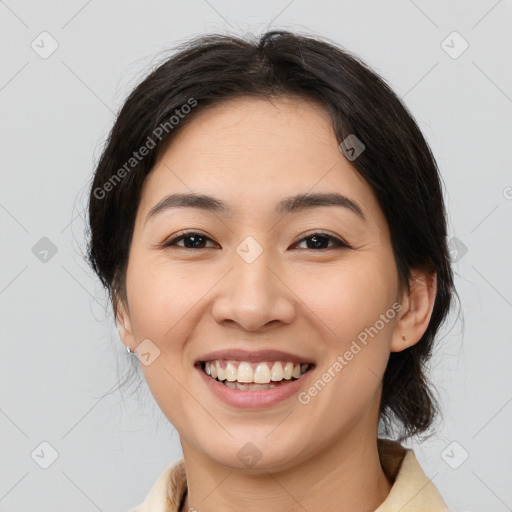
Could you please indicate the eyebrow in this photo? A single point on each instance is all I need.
(292, 204)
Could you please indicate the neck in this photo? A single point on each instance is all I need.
(348, 474)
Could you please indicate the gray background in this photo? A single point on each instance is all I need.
(59, 349)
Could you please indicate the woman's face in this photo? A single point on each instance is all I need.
(255, 277)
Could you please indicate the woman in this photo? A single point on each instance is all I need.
(269, 222)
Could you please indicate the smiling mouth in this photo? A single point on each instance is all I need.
(245, 376)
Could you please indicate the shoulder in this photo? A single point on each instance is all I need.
(412, 489)
(167, 491)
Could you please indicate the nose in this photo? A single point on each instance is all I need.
(253, 296)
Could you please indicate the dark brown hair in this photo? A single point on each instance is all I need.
(397, 163)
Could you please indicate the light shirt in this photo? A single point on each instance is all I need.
(412, 490)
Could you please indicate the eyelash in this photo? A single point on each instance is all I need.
(338, 243)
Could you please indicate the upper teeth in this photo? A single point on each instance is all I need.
(254, 372)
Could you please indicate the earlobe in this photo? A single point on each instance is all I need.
(418, 304)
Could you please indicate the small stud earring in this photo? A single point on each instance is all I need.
(129, 350)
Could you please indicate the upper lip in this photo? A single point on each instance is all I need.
(254, 356)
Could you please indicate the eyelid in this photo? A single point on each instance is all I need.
(338, 241)
(177, 237)
(325, 234)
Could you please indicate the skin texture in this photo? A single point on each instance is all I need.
(251, 153)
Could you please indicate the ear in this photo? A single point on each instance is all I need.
(124, 325)
(417, 306)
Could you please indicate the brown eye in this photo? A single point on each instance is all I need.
(319, 241)
(191, 239)
(195, 240)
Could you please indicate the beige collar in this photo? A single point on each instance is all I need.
(412, 490)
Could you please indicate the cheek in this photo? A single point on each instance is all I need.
(357, 320)
(350, 298)
(161, 306)
(354, 306)
(159, 297)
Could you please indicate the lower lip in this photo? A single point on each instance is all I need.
(254, 399)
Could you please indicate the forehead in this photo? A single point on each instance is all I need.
(252, 152)
(246, 124)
